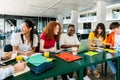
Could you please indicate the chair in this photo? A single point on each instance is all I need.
(79, 36)
(38, 48)
(104, 72)
(57, 45)
(8, 48)
(105, 67)
(84, 36)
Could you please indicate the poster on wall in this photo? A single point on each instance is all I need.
(87, 25)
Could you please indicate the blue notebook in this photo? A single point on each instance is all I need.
(41, 68)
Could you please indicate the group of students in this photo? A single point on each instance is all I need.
(25, 43)
(109, 41)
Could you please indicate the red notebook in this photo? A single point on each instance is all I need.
(68, 56)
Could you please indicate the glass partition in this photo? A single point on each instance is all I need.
(2, 35)
(10, 24)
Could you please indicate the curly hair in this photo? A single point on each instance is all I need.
(49, 30)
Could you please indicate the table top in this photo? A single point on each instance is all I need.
(61, 67)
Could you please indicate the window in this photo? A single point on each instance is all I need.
(116, 13)
(88, 17)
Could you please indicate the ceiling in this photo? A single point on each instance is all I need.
(47, 8)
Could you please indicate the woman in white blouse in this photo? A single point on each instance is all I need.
(26, 41)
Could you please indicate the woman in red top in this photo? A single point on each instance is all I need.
(50, 36)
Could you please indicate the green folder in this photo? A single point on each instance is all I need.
(36, 59)
(91, 53)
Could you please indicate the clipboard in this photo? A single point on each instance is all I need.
(67, 56)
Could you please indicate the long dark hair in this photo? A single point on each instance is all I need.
(101, 26)
(29, 24)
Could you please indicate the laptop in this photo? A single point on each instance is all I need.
(84, 45)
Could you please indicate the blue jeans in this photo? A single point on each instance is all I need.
(93, 67)
(112, 66)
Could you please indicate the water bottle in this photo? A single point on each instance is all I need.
(118, 50)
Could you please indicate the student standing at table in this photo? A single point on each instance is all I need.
(25, 42)
(98, 34)
(6, 71)
(69, 40)
(50, 36)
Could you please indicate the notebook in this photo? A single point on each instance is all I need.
(21, 72)
(111, 50)
(84, 45)
(91, 53)
(41, 68)
(67, 56)
(36, 59)
(12, 58)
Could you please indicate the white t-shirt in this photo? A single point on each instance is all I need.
(65, 39)
(117, 41)
(17, 41)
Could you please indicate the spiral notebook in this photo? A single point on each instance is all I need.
(67, 56)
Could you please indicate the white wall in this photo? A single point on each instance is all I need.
(94, 24)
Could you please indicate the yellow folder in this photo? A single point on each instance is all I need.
(91, 53)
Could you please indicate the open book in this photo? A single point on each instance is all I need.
(12, 58)
(21, 72)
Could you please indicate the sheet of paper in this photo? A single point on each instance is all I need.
(111, 50)
(91, 53)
